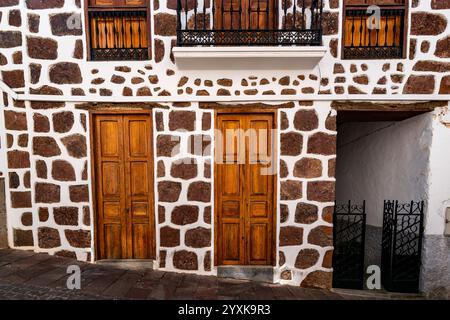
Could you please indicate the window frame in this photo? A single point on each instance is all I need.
(404, 6)
(90, 8)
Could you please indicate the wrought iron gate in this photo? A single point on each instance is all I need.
(401, 245)
(349, 236)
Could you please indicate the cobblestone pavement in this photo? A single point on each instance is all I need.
(27, 275)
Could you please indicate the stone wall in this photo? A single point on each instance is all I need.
(306, 196)
(40, 54)
(435, 272)
(47, 156)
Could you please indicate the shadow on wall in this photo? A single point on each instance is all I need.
(3, 234)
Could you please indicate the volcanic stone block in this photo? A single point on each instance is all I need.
(47, 193)
(185, 260)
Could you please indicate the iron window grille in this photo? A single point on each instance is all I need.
(386, 39)
(249, 22)
(118, 35)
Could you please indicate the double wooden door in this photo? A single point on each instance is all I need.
(245, 15)
(124, 186)
(245, 189)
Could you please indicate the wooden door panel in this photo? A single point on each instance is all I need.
(227, 15)
(245, 190)
(258, 243)
(231, 242)
(124, 186)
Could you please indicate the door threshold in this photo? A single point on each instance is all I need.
(253, 273)
(130, 264)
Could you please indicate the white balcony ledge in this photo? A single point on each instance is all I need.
(248, 58)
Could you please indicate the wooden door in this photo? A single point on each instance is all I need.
(244, 15)
(245, 190)
(124, 193)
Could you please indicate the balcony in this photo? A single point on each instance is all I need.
(249, 23)
(249, 34)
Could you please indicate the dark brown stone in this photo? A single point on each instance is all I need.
(334, 48)
(291, 236)
(184, 168)
(117, 79)
(33, 22)
(433, 66)
(185, 260)
(43, 214)
(165, 24)
(186, 214)
(78, 238)
(20, 199)
(41, 169)
(199, 144)
(44, 4)
(42, 48)
(3, 60)
(306, 258)
(144, 92)
(328, 259)
(14, 180)
(323, 191)
(48, 238)
(291, 144)
(66, 24)
(162, 254)
(306, 120)
(65, 73)
(47, 193)
(321, 236)
(47, 90)
(308, 168)
(160, 169)
(412, 48)
(159, 50)
(425, 46)
(86, 216)
(18, 159)
(338, 68)
(444, 88)
(27, 219)
(182, 120)
(199, 191)
(167, 145)
(419, 85)
(66, 254)
(169, 237)
(364, 80)
(66, 216)
(443, 48)
(440, 4)
(284, 213)
(75, 145)
(284, 121)
(206, 121)
(306, 213)
(15, 120)
(17, 57)
(10, 39)
(207, 261)
(198, 238)
(168, 191)
(354, 90)
(105, 92)
(41, 123)
(63, 171)
(78, 50)
(63, 121)
(207, 215)
(330, 23)
(225, 82)
(427, 24)
(291, 190)
(322, 143)
(27, 180)
(14, 79)
(23, 140)
(318, 279)
(79, 193)
(284, 171)
(23, 238)
(35, 72)
(330, 123)
(161, 214)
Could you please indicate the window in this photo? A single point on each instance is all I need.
(118, 29)
(374, 33)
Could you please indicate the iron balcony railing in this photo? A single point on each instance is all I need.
(118, 35)
(249, 22)
(369, 37)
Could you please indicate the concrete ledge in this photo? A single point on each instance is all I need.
(249, 58)
(129, 264)
(254, 273)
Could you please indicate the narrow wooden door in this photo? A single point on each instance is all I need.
(245, 189)
(124, 197)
